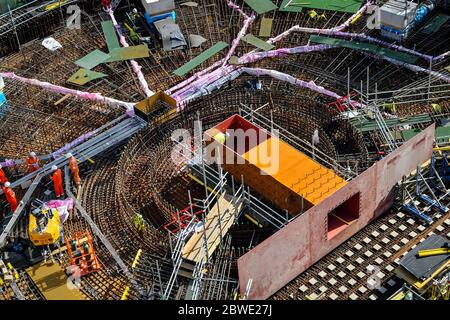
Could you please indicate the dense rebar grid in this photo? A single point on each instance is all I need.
(139, 178)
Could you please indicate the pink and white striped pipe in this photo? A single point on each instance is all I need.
(204, 81)
(341, 27)
(411, 67)
(292, 80)
(199, 74)
(89, 96)
(136, 67)
(221, 62)
(256, 56)
(247, 22)
(442, 56)
(366, 38)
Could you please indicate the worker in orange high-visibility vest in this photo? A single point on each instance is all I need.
(2, 176)
(73, 165)
(10, 196)
(57, 181)
(33, 162)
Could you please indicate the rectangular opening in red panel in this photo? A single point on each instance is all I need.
(342, 216)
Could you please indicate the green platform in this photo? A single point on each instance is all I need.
(261, 6)
(350, 6)
(442, 134)
(364, 46)
(83, 76)
(254, 41)
(110, 35)
(202, 57)
(367, 125)
(435, 24)
(92, 59)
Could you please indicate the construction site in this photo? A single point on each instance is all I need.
(225, 150)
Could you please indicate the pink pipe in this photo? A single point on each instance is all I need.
(221, 62)
(136, 67)
(96, 97)
(297, 82)
(271, 41)
(248, 21)
(363, 37)
(412, 67)
(202, 81)
(338, 28)
(253, 57)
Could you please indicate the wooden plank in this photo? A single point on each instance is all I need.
(261, 44)
(193, 248)
(62, 99)
(265, 29)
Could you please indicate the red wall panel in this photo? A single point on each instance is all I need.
(301, 243)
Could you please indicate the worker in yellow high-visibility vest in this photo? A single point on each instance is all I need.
(221, 137)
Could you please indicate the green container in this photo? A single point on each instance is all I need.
(12, 4)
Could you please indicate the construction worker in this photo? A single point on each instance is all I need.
(221, 137)
(33, 162)
(10, 196)
(57, 181)
(73, 165)
(2, 176)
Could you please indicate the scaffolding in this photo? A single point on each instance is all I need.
(430, 196)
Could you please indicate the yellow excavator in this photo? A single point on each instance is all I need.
(44, 227)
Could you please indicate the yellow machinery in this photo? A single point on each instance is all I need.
(44, 227)
(54, 5)
(433, 252)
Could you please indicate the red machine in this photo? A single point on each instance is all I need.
(106, 3)
(82, 254)
(181, 219)
(343, 104)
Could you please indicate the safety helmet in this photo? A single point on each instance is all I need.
(33, 154)
(54, 168)
(1, 166)
(7, 184)
(69, 155)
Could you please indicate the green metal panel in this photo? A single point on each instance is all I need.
(266, 27)
(261, 44)
(83, 76)
(261, 6)
(363, 46)
(365, 125)
(92, 59)
(435, 24)
(110, 35)
(350, 6)
(128, 53)
(408, 134)
(233, 60)
(443, 133)
(12, 5)
(202, 57)
(293, 5)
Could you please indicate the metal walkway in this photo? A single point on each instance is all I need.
(90, 148)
